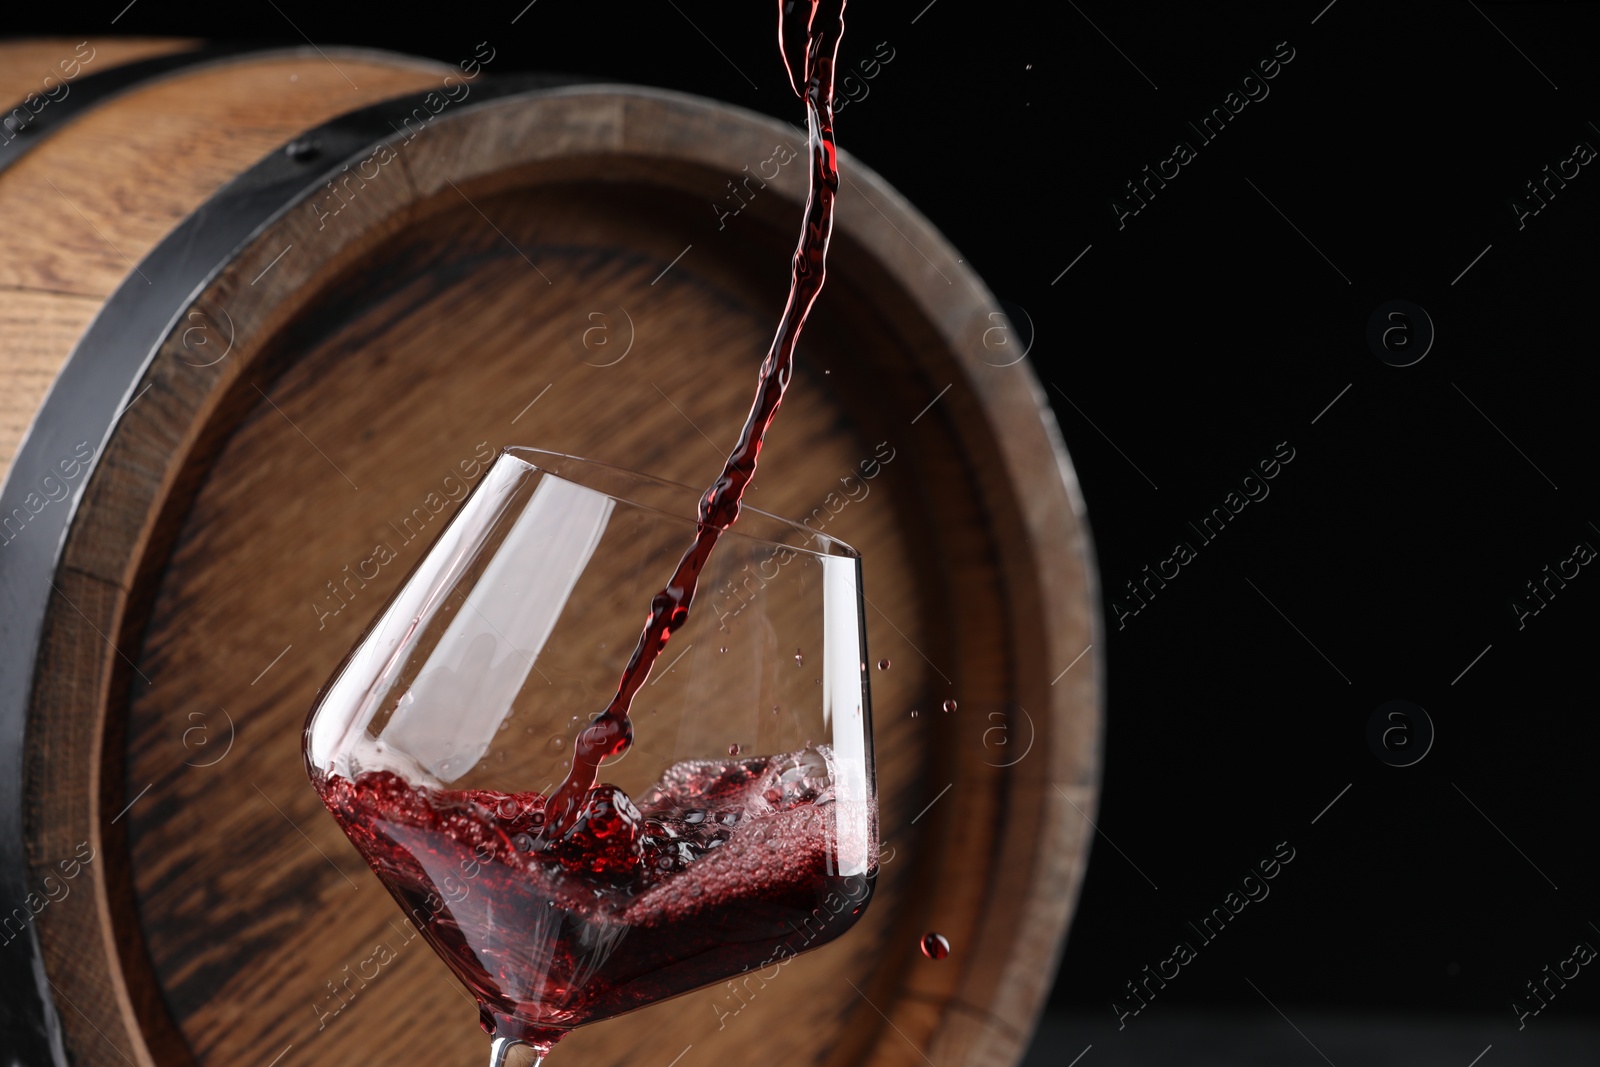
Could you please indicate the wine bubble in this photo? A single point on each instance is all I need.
(883, 664)
(733, 750)
(694, 818)
(522, 842)
(935, 946)
(508, 808)
(949, 706)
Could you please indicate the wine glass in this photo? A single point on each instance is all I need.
(738, 830)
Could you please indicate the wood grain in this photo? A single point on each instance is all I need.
(445, 308)
(100, 193)
(42, 65)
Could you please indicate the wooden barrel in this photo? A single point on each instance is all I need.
(263, 314)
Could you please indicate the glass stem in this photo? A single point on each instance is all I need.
(500, 1047)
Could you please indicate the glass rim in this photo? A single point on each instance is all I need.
(842, 549)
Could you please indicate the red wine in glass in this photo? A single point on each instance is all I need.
(722, 867)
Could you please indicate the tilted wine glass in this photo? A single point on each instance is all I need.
(738, 830)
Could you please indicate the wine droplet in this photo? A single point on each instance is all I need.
(935, 946)
(949, 706)
(799, 657)
(733, 750)
(724, 648)
(883, 664)
(913, 713)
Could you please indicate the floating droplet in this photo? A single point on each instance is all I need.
(555, 744)
(724, 648)
(522, 843)
(949, 706)
(774, 709)
(935, 946)
(883, 664)
(799, 657)
(913, 713)
(733, 750)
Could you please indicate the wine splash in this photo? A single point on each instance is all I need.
(721, 867)
(811, 77)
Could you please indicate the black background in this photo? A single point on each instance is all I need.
(1218, 322)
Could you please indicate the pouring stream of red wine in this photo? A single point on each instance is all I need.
(811, 78)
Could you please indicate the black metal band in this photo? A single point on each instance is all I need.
(95, 386)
